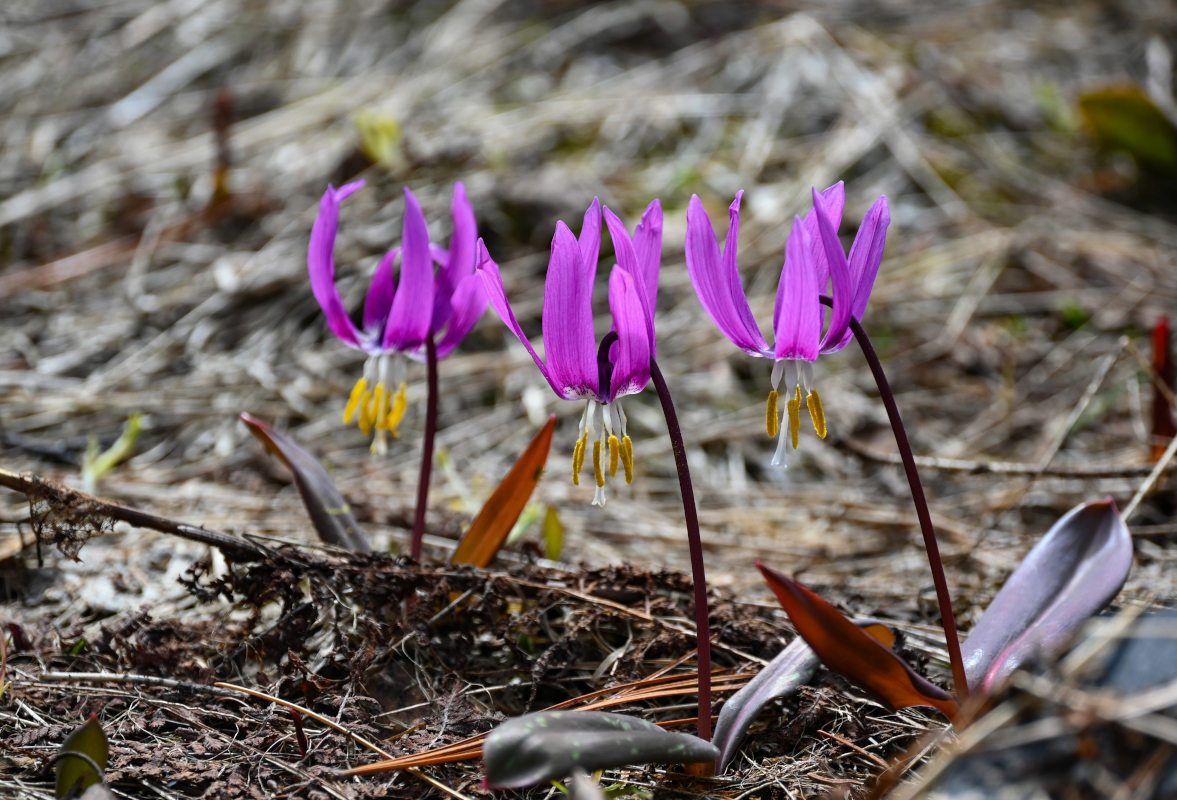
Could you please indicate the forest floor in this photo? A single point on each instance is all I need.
(1026, 264)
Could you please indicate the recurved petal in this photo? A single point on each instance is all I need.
(496, 295)
(458, 262)
(380, 293)
(569, 345)
(867, 253)
(798, 325)
(464, 235)
(412, 308)
(468, 302)
(712, 281)
(321, 264)
(590, 235)
(731, 267)
(834, 199)
(841, 289)
(647, 241)
(631, 356)
(865, 256)
(627, 257)
(628, 260)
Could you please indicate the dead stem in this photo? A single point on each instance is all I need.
(68, 501)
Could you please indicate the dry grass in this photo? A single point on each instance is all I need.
(1009, 311)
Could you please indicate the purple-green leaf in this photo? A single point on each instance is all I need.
(1072, 573)
(328, 510)
(549, 745)
(82, 759)
(792, 667)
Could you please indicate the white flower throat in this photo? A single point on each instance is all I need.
(373, 403)
(798, 374)
(609, 449)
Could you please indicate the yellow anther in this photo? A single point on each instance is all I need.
(772, 418)
(598, 468)
(353, 402)
(578, 458)
(365, 420)
(379, 407)
(816, 412)
(614, 455)
(627, 458)
(394, 415)
(794, 408)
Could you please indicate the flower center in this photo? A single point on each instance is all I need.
(373, 404)
(609, 450)
(799, 375)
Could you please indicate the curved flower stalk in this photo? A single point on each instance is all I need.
(399, 318)
(575, 366)
(814, 259)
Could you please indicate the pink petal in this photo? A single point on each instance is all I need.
(569, 346)
(834, 199)
(718, 289)
(590, 235)
(412, 308)
(492, 282)
(867, 253)
(647, 241)
(321, 264)
(731, 267)
(468, 302)
(840, 287)
(380, 293)
(459, 259)
(865, 256)
(631, 355)
(628, 260)
(798, 328)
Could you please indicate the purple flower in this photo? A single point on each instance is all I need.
(814, 259)
(574, 364)
(397, 318)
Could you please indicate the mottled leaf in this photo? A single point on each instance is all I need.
(490, 528)
(792, 667)
(1072, 573)
(74, 774)
(328, 510)
(853, 653)
(782, 676)
(549, 745)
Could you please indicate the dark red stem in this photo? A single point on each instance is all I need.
(300, 735)
(921, 505)
(426, 448)
(917, 497)
(695, 544)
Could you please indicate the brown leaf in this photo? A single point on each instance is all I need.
(848, 650)
(498, 516)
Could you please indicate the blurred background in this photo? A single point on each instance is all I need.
(161, 165)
